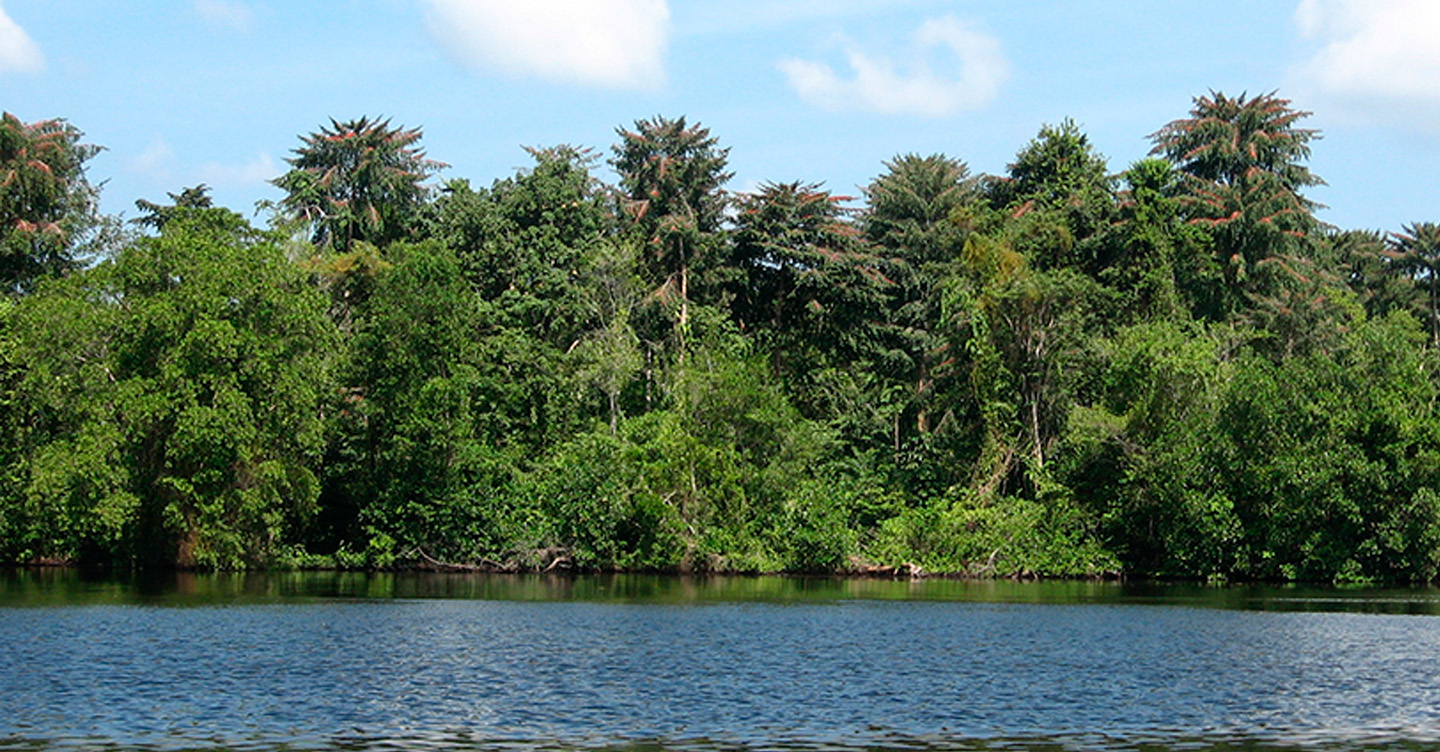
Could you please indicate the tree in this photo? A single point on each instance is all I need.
(1058, 169)
(360, 180)
(914, 217)
(47, 207)
(1366, 261)
(672, 177)
(430, 398)
(173, 400)
(156, 215)
(1021, 332)
(909, 206)
(1416, 251)
(1241, 159)
(609, 354)
(523, 241)
(1138, 255)
(806, 281)
(1231, 140)
(1059, 196)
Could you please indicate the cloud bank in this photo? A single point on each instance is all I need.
(609, 43)
(969, 78)
(1376, 58)
(18, 52)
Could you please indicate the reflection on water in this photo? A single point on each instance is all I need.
(345, 661)
(62, 587)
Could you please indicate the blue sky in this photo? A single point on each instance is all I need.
(182, 92)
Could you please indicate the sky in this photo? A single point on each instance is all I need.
(183, 92)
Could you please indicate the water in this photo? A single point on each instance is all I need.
(385, 662)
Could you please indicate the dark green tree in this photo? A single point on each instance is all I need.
(156, 215)
(1059, 197)
(430, 405)
(909, 207)
(807, 285)
(1138, 255)
(1365, 261)
(523, 242)
(917, 217)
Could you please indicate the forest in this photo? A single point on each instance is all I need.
(1172, 371)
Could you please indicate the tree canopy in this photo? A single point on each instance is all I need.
(1173, 370)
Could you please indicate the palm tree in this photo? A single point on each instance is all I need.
(360, 180)
(671, 177)
(1416, 251)
(909, 205)
(1241, 161)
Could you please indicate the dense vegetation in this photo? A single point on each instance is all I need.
(1173, 371)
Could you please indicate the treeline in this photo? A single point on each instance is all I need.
(1173, 371)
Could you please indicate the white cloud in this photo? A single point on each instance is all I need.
(226, 14)
(1374, 57)
(614, 43)
(18, 52)
(257, 171)
(155, 161)
(970, 78)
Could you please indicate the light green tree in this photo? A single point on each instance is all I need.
(172, 400)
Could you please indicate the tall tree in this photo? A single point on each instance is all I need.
(47, 207)
(1059, 190)
(360, 180)
(807, 278)
(1242, 159)
(911, 217)
(1139, 255)
(672, 178)
(523, 241)
(909, 206)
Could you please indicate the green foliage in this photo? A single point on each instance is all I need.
(525, 241)
(1318, 467)
(998, 536)
(805, 287)
(171, 401)
(156, 215)
(1174, 372)
(423, 412)
(918, 216)
(1059, 196)
(672, 177)
(1415, 252)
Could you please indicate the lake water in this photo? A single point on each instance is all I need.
(429, 662)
